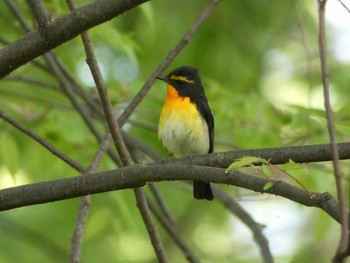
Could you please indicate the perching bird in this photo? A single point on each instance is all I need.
(186, 125)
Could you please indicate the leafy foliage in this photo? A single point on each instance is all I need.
(260, 67)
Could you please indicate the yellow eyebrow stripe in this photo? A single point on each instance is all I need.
(183, 78)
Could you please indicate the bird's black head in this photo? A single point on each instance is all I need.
(186, 81)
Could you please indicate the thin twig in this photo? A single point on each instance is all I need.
(67, 89)
(121, 148)
(119, 142)
(60, 31)
(171, 229)
(78, 89)
(246, 219)
(70, 87)
(173, 53)
(41, 141)
(41, 14)
(84, 206)
(32, 81)
(344, 237)
(12, 4)
(162, 205)
(346, 8)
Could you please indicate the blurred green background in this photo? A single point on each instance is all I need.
(259, 63)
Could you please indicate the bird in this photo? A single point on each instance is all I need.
(186, 123)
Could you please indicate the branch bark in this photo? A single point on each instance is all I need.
(279, 155)
(344, 235)
(60, 30)
(138, 175)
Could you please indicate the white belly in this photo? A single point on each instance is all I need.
(182, 137)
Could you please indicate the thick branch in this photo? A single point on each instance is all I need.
(59, 31)
(278, 155)
(138, 175)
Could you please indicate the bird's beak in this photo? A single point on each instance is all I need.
(162, 78)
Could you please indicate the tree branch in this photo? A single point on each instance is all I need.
(59, 31)
(20, 17)
(41, 141)
(238, 211)
(120, 145)
(344, 236)
(84, 205)
(42, 16)
(170, 57)
(171, 229)
(138, 175)
(278, 155)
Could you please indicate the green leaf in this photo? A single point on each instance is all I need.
(244, 161)
(9, 154)
(291, 165)
(266, 170)
(267, 186)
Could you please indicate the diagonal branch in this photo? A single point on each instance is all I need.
(120, 145)
(172, 54)
(41, 141)
(236, 209)
(59, 31)
(85, 201)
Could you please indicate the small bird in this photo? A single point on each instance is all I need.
(186, 124)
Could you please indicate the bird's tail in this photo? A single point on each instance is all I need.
(202, 190)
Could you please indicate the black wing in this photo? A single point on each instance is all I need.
(203, 107)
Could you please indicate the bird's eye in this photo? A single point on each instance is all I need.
(180, 82)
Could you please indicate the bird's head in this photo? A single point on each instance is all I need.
(185, 80)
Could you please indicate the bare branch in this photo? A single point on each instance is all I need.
(246, 219)
(42, 16)
(60, 30)
(120, 145)
(278, 155)
(84, 205)
(17, 12)
(344, 237)
(41, 141)
(138, 175)
(173, 53)
(164, 209)
(171, 229)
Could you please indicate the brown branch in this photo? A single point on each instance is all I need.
(59, 31)
(18, 14)
(84, 205)
(278, 155)
(120, 146)
(344, 237)
(67, 89)
(107, 106)
(41, 141)
(163, 207)
(246, 219)
(138, 175)
(42, 16)
(34, 82)
(173, 53)
(171, 229)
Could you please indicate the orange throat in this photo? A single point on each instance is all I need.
(175, 101)
(172, 93)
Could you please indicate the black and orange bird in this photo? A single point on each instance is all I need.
(186, 124)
